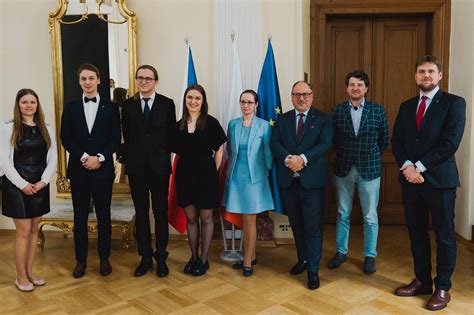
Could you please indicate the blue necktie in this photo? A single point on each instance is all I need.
(146, 109)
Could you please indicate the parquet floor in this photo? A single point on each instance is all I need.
(223, 290)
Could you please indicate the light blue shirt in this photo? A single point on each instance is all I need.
(297, 116)
(356, 115)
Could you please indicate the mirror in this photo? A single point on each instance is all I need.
(101, 32)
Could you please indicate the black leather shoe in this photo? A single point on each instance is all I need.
(145, 264)
(200, 268)
(162, 269)
(299, 267)
(80, 270)
(247, 271)
(105, 268)
(313, 280)
(189, 267)
(337, 260)
(369, 265)
(240, 264)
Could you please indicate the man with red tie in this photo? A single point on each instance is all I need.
(426, 134)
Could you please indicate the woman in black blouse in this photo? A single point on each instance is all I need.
(199, 145)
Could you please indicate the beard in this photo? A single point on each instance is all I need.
(427, 88)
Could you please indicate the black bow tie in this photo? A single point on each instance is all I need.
(92, 99)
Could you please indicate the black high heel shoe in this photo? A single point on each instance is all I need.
(189, 267)
(247, 271)
(240, 264)
(200, 268)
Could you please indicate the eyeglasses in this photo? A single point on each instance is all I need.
(298, 95)
(145, 79)
(246, 103)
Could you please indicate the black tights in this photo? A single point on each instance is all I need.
(196, 230)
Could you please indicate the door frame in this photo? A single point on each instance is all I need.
(438, 10)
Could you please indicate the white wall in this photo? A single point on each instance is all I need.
(25, 58)
(461, 82)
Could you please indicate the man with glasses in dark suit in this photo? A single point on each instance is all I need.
(148, 122)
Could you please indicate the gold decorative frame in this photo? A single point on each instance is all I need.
(120, 190)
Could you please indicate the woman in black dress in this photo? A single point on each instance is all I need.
(28, 158)
(199, 145)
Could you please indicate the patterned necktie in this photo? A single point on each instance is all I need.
(146, 109)
(300, 126)
(420, 112)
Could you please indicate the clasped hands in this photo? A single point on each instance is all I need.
(411, 175)
(295, 163)
(31, 189)
(90, 162)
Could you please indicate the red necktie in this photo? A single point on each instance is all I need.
(300, 126)
(420, 112)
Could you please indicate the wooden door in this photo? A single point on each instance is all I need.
(386, 47)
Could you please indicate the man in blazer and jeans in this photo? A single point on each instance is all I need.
(299, 142)
(427, 133)
(360, 137)
(148, 122)
(90, 132)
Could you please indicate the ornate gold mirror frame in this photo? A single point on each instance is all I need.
(120, 190)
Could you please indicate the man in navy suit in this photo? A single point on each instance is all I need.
(90, 132)
(148, 122)
(360, 137)
(427, 133)
(299, 142)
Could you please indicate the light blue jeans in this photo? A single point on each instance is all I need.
(369, 199)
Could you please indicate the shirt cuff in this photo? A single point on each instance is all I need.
(304, 159)
(101, 157)
(84, 156)
(286, 160)
(420, 166)
(407, 163)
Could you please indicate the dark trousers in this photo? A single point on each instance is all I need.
(305, 209)
(141, 186)
(419, 203)
(101, 191)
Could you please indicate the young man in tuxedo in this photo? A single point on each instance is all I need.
(360, 137)
(427, 133)
(148, 121)
(90, 132)
(299, 142)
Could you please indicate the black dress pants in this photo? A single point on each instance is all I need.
(101, 191)
(305, 209)
(141, 186)
(419, 203)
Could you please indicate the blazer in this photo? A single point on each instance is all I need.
(315, 141)
(7, 166)
(148, 143)
(436, 142)
(364, 150)
(258, 152)
(104, 138)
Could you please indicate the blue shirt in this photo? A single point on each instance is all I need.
(356, 115)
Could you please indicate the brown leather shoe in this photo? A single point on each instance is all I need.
(415, 287)
(439, 300)
(80, 270)
(105, 268)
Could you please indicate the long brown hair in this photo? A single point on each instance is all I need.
(202, 119)
(38, 118)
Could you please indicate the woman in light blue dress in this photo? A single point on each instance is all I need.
(247, 190)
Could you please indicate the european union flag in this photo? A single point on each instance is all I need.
(269, 108)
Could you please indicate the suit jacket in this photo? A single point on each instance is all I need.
(364, 150)
(148, 143)
(436, 142)
(316, 139)
(258, 152)
(104, 138)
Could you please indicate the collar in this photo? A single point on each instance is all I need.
(152, 98)
(305, 113)
(361, 104)
(430, 94)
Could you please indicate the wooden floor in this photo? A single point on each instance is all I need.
(223, 290)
